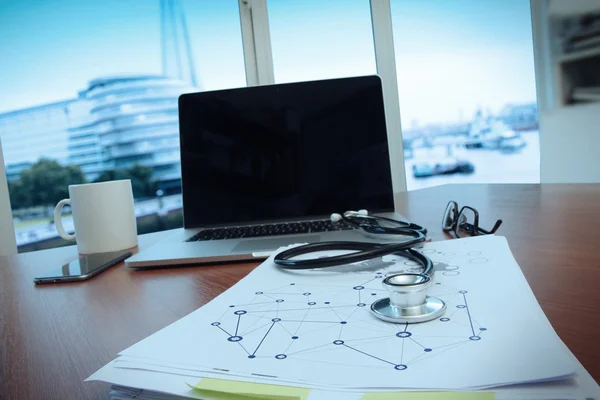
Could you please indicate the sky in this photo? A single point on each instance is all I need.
(452, 56)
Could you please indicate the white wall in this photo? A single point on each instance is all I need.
(570, 144)
(8, 244)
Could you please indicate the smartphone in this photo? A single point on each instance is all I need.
(84, 267)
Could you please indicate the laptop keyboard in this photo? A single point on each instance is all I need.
(283, 228)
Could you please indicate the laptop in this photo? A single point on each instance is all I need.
(265, 166)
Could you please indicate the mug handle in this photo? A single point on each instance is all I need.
(58, 220)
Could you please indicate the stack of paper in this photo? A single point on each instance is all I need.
(310, 334)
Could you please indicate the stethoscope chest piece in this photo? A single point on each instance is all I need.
(408, 301)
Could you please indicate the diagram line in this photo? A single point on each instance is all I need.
(229, 334)
(303, 318)
(449, 348)
(253, 304)
(310, 348)
(469, 314)
(258, 318)
(451, 344)
(254, 330)
(321, 322)
(371, 338)
(340, 334)
(242, 346)
(405, 326)
(302, 309)
(335, 312)
(238, 325)
(370, 280)
(359, 296)
(367, 354)
(352, 313)
(263, 339)
(402, 353)
(416, 342)
(266, 295)
(285, 329)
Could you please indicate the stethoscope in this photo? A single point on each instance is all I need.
(408, 301)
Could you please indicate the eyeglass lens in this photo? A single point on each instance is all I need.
(466, 223)
(449, 216)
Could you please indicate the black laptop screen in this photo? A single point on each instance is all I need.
(285, 151)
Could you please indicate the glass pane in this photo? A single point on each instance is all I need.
(315, 39)
(96, 99)
(467, 91)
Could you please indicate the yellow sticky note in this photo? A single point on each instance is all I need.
(429, 396)
(233, 390)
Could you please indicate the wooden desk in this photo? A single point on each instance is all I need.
(55, 336)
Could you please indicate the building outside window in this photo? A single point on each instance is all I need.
(90, 94)
(467, 91)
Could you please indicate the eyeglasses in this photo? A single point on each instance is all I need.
(464, 223)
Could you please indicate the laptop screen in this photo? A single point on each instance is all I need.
(280, 152)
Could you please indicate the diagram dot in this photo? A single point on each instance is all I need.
(258, 293)
(279, 301)
(373, 294)
(427, 350)
(438, 283)
(292, 284)
(231, 306)
(240, 312)
(400, 367)
(462, 291)
(475, 338)
(444, 319)
(483, 329)
(403, 334)
(343, 322)
(294, 337)
(276, 319)
(361, 304)
(338, 342)
(306, 293)
(216, 324)
(358, 287)
(280, 356)
(460, 306)
(327, 302)
(312, 303)
(251, 356)
(234, 338)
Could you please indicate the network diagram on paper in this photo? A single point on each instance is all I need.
(332, 324)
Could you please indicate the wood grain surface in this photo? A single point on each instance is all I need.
(55, 336)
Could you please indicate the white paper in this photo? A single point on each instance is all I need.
(315, 326)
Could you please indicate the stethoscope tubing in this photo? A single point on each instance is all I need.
(364, 251)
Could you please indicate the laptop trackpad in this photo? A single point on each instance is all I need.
(252, 245)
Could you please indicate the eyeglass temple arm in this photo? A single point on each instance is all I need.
(493, 230)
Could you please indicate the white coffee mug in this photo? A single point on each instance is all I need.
(103, 216)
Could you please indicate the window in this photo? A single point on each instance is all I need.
(99, 92)
(314, 39)
(467, 91)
